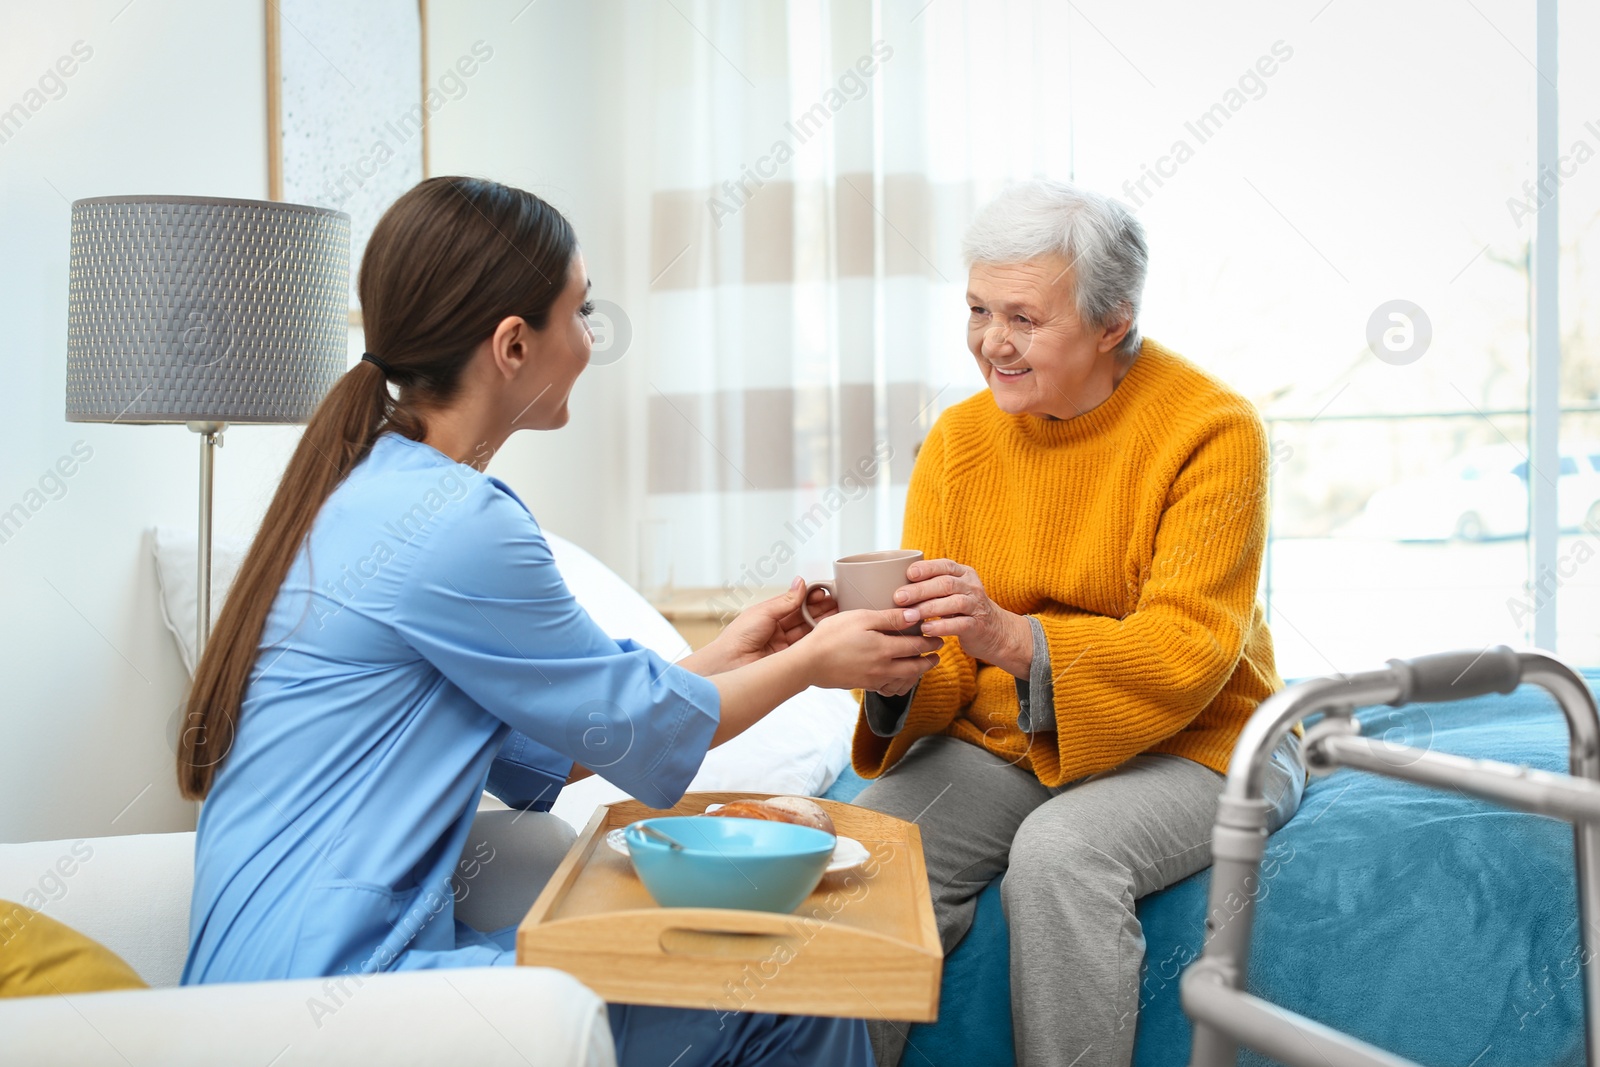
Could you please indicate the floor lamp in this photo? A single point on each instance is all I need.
(204, 311)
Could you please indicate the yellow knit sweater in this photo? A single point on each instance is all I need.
(1134, 533)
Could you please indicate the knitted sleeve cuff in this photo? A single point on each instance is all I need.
(886, 716)
(1036, 697)
(883, 733)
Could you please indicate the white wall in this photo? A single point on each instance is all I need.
(172, 100)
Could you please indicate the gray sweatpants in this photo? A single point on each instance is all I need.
(1075, 859)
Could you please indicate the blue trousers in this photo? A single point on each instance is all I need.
(685, 1037)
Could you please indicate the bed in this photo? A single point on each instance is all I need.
(1438, 927)
(1441, 928)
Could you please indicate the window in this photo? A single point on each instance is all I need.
(1574, 578)
(1340, 250)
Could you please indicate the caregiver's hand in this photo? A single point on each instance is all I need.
(948, 599)
(864, 650)
(847, 650)
(760, 630)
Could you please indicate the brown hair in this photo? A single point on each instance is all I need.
(446, 264)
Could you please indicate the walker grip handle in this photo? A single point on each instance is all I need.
(1444, 676)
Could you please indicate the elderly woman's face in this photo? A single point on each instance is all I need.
(1037, 357)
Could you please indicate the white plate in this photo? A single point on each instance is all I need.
(848, 853)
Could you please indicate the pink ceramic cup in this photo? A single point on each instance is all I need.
(866, 581)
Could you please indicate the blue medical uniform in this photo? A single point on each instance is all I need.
(422, 648)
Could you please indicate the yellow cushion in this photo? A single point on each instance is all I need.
(41, 957)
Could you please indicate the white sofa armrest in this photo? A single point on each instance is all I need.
(485, 1016)
(130, 893)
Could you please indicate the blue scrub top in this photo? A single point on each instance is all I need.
(422, 647)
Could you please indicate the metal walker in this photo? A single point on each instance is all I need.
(1226, 1017)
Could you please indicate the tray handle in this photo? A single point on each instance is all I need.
(725, 944)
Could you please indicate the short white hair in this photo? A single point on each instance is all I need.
(1097, 235)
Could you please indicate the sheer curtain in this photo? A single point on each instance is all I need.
(809, 168)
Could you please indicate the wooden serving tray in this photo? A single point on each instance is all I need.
(862, 945)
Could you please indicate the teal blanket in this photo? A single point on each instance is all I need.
(1437, 926)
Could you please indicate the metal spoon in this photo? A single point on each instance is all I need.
(666, 839)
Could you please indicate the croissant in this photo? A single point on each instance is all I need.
(797, 810)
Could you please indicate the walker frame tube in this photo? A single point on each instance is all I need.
(1226, 1017)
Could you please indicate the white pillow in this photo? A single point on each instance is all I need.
(799, 748)
(178, 574)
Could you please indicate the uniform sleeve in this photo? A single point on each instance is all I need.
(485, 604)
(1123, 685)
(526, 774)
(885, 729)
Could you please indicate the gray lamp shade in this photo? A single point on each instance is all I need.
(185, 308)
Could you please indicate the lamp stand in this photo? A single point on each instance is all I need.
(210, 440)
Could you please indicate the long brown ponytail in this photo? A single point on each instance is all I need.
(447, 262)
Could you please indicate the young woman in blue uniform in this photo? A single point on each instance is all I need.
(399, 637)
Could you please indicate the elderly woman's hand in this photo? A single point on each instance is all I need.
(948, 599)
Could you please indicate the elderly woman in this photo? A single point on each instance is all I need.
(1093, 526)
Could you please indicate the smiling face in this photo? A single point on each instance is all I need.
(1036, 355)
(559, 353)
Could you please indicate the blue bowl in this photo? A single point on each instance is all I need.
(746, 864)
